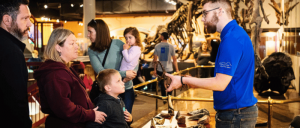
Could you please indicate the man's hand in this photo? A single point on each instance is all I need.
(99, 116)
(175, 84)
(125, 46)
(130, 74)
(128, 116)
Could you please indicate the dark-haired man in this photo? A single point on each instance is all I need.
(234, 69)
(15, 23)
(164, 52)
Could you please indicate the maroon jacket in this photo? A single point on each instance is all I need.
(63, 96)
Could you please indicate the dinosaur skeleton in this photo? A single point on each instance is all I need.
(283, 16)
(181, 28)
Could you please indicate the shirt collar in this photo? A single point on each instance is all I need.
(13, 39)
(227, 27)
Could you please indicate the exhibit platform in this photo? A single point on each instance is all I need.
(282, 115)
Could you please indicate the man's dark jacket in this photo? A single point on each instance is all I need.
(13, 83)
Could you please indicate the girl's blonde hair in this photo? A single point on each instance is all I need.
(88, 70)
(133, 31)
(58, 36)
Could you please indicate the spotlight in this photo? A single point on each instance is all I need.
(65, 21)
(46, 6)
(81, 5)
(72, 5)
(57, 20)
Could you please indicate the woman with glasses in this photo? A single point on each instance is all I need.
(106, 53)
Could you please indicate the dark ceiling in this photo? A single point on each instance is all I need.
(61, 9)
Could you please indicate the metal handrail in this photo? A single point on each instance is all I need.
(270, 101)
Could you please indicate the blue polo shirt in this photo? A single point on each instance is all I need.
(235, 58)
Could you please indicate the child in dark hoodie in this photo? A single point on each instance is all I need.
(111, 85)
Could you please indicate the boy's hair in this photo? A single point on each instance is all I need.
(133, 31)
(104, 78)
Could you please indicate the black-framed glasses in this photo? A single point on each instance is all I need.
(205, 12)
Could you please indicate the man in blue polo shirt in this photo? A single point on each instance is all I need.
(234, 69)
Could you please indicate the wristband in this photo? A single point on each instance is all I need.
(181, 80)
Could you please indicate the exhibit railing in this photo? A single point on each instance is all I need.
(36, 115)
(270, 101)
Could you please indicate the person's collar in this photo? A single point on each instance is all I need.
(16, 41)
(227, 27)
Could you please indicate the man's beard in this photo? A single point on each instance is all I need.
(211, 26)
(17, 32)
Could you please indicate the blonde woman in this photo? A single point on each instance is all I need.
(63, 94)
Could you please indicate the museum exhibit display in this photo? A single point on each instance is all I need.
(276, 72)
(279, 67)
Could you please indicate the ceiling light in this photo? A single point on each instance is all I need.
(45, 6)
(72, 5)
(81, 5)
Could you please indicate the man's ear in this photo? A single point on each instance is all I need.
(107, 88)
(7, 20)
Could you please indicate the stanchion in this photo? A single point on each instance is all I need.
(156, 88)
(270, 105)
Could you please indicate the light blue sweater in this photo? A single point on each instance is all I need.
(113, 60)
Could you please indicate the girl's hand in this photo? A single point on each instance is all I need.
(128, 116)
(125, 46)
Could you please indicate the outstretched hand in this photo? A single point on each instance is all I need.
(175, 84)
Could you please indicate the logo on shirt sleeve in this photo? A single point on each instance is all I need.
(225, 64)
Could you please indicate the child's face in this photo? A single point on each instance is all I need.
(130, 39)
(116, 84)
(204, 47)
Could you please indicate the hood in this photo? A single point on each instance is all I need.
(47, 67)
(104, 96)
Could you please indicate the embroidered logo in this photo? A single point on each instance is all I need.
(225, 64)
